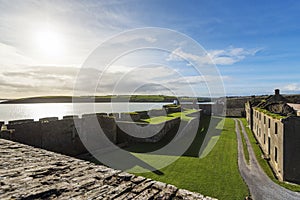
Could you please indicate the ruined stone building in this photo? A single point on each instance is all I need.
(276, 125)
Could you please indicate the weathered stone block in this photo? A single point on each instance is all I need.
(48, 119)
(22, 121)
(70, 117)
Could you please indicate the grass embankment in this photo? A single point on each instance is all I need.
(183, 116)
(215, 175)
(264, 164)
(246, 152)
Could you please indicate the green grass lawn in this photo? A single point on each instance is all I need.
(215, 175)
(246, 152)
(182, 115)
(264, 164)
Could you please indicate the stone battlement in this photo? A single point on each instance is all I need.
(31, 173)
(62, 136)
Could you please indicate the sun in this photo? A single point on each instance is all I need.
(49, 42)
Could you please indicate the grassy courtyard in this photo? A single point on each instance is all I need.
(214, 175)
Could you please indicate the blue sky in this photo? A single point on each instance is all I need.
(255, 44)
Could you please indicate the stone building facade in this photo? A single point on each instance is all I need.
(276, 127)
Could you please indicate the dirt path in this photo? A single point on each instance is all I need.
(260, 185)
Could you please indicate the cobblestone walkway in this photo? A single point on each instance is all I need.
(31, 173)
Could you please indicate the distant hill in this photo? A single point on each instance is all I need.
(98, 99)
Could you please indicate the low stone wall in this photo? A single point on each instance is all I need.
(207, 109)
(235, 112)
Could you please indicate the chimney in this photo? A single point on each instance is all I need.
(277, 92)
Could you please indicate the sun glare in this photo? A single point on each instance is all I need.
(49, 43)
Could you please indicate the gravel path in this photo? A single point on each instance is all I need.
(260, 185)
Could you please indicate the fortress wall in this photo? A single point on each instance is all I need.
(62, 135)
(98, 130)
(292, 149)
(143, 132)
(20, 121)
(143, 114)
(157, 112)
(48, 119)
(235, 112)
(1, 123)
(28, 132)
(47, 133)
(129, 116)
(173, 109)
(108, 125)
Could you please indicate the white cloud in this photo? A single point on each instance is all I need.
(227, 56)
(33, 81)
(231, 55)
(292, 87)
(11, 56)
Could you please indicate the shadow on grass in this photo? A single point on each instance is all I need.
(121, 161)
(200, 141)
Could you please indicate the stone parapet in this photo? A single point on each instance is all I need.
(31, 173)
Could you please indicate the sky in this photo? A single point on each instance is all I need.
(246, 48)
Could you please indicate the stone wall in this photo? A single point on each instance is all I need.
(270, 140)
(47, 133)
(62, 136)
(249, 114)
(144, 132)
(98, 130)
(235, 112)
(279, 139)
(292, 149)
(207, 109)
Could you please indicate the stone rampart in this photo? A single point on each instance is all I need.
(95, 127)
(157, 112)
(144, 132)
(59, 135)
(47, 133)
(62, 135)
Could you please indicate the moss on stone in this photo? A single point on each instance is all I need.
(273, 115)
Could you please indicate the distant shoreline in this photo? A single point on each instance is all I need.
(105, 99)
(97, 99)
